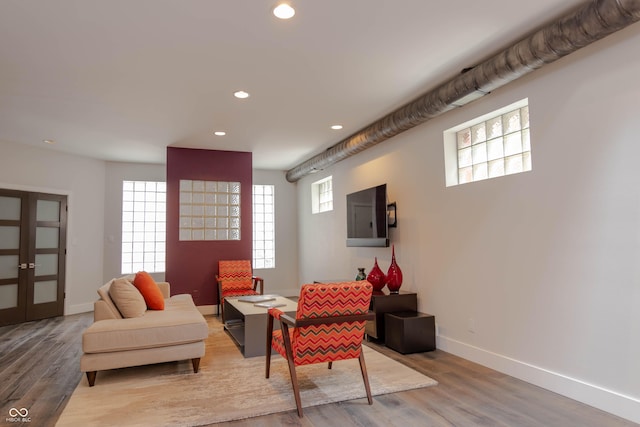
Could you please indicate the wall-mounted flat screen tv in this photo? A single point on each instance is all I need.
(367, 217)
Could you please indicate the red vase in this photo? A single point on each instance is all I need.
(376, 277)
(394, 275)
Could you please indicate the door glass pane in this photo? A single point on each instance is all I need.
(10, 208)
(47, 237)
(8, 296)
(45, 291)
(48, 210)
(9, 237)
(8, 266)
(46, 264)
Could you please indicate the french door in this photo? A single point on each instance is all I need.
(33, 230)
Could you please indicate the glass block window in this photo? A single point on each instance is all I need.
(264, 239)
(494, 145)
(144, 224)
(322, 195)
(209, 210)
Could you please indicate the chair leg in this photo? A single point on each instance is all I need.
(365, 377)
(292, 367)
(269, 343)
(220, 301)
(330, 365)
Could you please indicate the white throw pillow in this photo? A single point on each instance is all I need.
(127, 298)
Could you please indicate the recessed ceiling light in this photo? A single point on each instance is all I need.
(241, 94)
(220, 133)
(48, 141)
(284, 11)
(336, 127)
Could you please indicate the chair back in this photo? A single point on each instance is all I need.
(235, 275)
(334, 341)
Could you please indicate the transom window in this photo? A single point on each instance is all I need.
(264, 227)
(494, 145)
(322, 195)
(144, 224)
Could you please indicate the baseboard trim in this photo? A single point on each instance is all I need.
(607, 400)
(206, 310)
(78, 308)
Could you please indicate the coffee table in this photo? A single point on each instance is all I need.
(247, 324)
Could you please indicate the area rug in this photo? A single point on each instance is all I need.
(228, 387)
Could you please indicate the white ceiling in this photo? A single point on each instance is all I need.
(123, 79)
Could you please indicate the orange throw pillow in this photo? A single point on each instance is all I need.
(150, 291)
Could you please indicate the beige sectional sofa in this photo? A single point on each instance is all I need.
(176, 333)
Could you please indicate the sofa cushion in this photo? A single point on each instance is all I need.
(180, 322)
(103, 291)
(149, 290)
(127, 298)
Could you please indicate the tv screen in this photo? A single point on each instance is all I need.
(367, 217)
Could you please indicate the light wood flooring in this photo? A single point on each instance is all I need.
(39, 369)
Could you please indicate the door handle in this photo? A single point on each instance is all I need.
(24, 265)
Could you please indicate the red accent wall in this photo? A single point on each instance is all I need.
(192, 265)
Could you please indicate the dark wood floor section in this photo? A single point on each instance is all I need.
(39, 369)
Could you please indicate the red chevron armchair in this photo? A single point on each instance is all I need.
(329, 326)
(235, 278)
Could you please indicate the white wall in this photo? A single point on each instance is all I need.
(543, 264)
(44, 170)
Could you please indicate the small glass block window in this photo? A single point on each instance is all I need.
(494, 147)
(322, 195)
(264, 239)
(144, 207)
(209, 210)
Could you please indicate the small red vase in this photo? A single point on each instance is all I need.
(376, 277)
(394, 275)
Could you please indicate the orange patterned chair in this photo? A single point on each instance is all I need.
(329, 326)
(235, 278)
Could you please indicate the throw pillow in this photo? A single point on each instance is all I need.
(127, 298)
(103, 291)
(150, 291)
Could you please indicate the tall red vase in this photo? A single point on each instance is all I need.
(376, 277)
(394, 275)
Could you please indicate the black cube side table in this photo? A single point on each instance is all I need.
(382, 303)
(410, 332)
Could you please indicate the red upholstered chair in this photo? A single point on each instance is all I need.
(329, 326)
(235, 278)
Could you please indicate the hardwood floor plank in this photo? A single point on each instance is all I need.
(44, 377)
(39, 370)
(19, 339)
